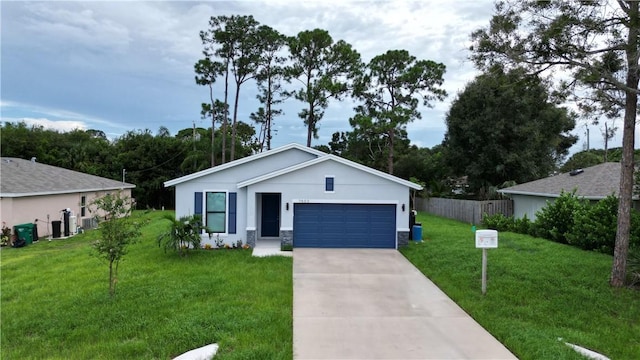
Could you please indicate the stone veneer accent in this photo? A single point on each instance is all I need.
(286, 239)
(403, 238)
(251, 238)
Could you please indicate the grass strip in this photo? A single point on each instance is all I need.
(537, 291)
(56, 305)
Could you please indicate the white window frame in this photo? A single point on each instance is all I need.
(226, 210)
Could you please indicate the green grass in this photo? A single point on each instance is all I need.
(537, 291)
(56, 303)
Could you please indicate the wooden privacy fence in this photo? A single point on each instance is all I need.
(469, 211)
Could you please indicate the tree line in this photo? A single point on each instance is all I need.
(313, 69)
(144, 158)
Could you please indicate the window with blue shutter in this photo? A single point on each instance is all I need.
(197, 200)
(233, 200)
(197, 204)
(216, 208)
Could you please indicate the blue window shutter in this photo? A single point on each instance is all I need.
(233, 206)
(197, 200)
(328, 184)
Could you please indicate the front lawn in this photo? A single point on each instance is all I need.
(538, 291)
(56, 303)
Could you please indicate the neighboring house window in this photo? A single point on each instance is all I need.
(216, 208)
(83, 206)
(328, 184)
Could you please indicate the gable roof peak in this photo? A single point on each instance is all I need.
(335, 158)
(244, 160)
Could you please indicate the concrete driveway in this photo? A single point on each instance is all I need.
(374, 304)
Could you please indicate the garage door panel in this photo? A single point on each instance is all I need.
(344, 225)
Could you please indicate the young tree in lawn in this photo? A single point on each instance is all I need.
(392, 86)
(270, 75)
(324, 69)
(595, 43)
(117, 231)
(504, 126)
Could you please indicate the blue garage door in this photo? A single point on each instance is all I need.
(344, 225)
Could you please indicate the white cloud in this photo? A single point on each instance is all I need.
(72, 25)
(64, 118)
(129, 65)
(59, 125)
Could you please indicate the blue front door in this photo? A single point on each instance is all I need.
(270, 215)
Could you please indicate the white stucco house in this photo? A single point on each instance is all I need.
(593, 183)
(299, 195)
(36, 193)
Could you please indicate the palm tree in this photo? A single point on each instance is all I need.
(183, 234)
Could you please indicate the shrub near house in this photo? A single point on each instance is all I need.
(577, 222)
(571, 220)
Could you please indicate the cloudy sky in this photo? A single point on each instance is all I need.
(126, 65)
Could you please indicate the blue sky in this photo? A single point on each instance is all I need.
(126, 65)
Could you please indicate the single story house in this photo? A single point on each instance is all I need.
(31, 192)
(300, 196)
(592, 183)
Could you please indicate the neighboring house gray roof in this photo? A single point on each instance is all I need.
(594, 183)
(20, 178)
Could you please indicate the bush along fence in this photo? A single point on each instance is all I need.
(469, 211)
(574, 221)
(580, 223)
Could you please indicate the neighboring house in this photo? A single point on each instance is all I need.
(301, 196)
(31, 192)
(592, 183)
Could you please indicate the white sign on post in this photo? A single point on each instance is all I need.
(486, 239)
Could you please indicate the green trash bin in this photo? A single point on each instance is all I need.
(24, 232)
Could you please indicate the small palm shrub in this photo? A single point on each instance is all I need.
(183, 234)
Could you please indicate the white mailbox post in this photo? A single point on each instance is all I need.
(486, 239)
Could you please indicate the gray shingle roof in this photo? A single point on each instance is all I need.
(19, 177)
(595, 182)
